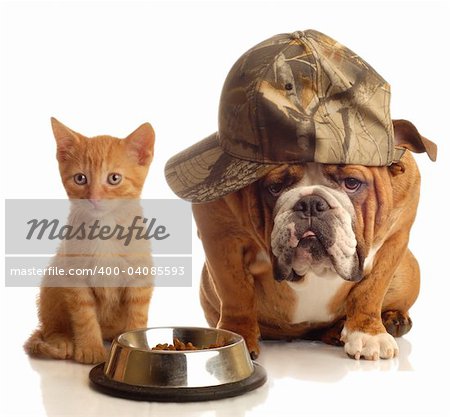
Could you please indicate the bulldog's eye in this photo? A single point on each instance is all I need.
(352, 184)
(80, 179)
(275, 189)
(114, 178)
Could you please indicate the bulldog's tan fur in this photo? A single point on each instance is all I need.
(239, 291)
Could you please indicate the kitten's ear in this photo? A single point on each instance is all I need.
(407, 136)
(66, 139)
(140, 144)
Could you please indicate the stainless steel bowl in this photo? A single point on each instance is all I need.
(190, 375)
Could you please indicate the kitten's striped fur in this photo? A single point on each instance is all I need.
(74, 322)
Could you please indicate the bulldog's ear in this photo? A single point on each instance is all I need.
(407, 136)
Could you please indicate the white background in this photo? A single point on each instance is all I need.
(105, 68)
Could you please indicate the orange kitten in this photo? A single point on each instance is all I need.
(74, 321)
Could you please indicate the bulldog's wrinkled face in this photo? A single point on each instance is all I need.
(315, 225)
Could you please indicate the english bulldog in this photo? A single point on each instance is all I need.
(316, 251)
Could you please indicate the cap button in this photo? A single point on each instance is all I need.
(296, 35)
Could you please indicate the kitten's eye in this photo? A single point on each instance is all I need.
(275, 189)
(352, 184)
(80, 179)
(114, 178)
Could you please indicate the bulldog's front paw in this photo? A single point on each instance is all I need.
(249, 333)
(373, 347)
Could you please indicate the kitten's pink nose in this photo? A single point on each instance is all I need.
(95, 202)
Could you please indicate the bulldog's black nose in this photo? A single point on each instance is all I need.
(311, 206)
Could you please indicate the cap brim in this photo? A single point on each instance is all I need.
(204, 172)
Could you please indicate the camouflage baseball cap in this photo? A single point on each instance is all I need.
(293, 98)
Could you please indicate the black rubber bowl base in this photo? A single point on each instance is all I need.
(102, 383)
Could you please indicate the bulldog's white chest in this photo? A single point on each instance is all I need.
(314, 296)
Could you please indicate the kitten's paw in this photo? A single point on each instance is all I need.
(62, 345)
(368, 346)
(56, 346)
(90, 354)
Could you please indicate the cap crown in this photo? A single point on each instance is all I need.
(303, 97)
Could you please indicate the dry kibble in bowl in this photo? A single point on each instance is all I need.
(179, 345)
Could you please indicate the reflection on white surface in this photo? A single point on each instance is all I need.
(65, 390)
(296, 369)
(304, 378)
(314, 361)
